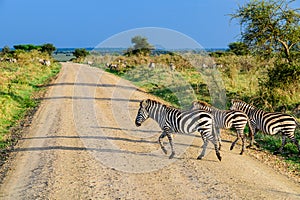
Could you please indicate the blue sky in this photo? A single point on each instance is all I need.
(71, 23)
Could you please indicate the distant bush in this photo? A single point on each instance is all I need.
(27, 47)
(49, 48)
(218, 54)
(80, 53)
(239, 48)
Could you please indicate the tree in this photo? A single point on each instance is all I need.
(269, 26)
(80, 53)
(26, 47)
(140, 43)
(239, 48)
(49, 48)
(140, 46)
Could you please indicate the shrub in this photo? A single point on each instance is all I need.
(80, 53)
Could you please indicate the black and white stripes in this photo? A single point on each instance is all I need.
(172, 120)
(208, 121)
(225, 119)
(269, 122)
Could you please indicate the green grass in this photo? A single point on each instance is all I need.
(290, 151)
(19, 84)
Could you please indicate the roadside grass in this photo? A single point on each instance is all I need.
(290, 151)
(20, 82)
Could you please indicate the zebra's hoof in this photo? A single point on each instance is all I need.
(219, 157)
(276, 152)
(241, 153)
(164, 150)
(172, 155)
(231, 147)
(199, 158)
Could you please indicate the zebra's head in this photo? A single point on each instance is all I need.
(142, 114)
(201, 105)
(236, 105)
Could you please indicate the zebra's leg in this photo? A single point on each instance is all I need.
(243, 142)
(161, 142)
(252, 132)
(169, 135)
(204, 146)
(219, 138)
(283, 143)
(235, 141)
(215, 143)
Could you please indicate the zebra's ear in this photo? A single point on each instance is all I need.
(144, 103)
(194, 103)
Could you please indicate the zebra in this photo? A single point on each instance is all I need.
(172, 120)
(225, 119)
(269, 122)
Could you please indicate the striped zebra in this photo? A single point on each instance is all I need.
(172, 120)
(269, 122)
(225, 119)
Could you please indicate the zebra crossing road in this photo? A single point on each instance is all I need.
(83, 144)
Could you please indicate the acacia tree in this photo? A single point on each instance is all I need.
(140, 46)
(269, 26)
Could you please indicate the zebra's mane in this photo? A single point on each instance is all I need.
(203, 103)
(243, 102)
(162, 104)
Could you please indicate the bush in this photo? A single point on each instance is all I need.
(49, 48)
(80, 53)
(239, 48)
(281, 87)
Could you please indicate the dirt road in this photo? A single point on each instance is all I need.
(83, 144)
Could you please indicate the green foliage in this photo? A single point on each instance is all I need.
(141, 43)
(281, 87)
(218, 54)
(49, 48)
(141, 46)
(27, 47)
(269, 27)
(272, 143)
(239, 48)
(80, 53)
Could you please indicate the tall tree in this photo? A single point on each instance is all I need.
(269, 26)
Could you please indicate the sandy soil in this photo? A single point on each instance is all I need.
(83, 144)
